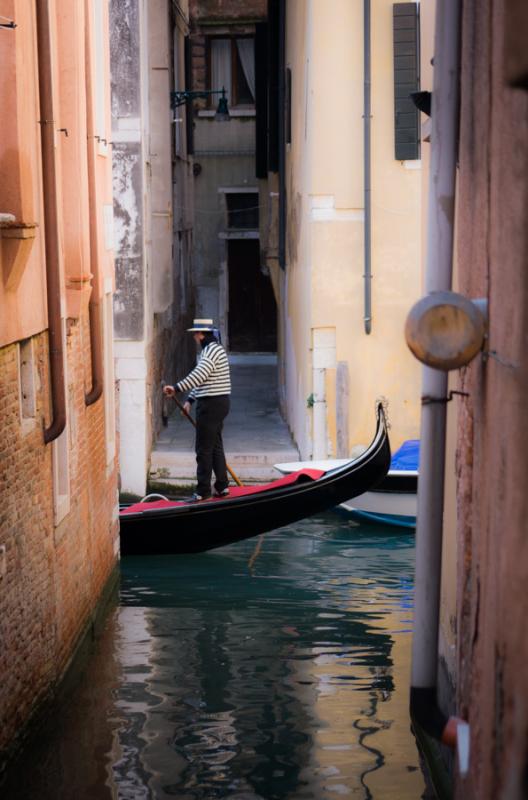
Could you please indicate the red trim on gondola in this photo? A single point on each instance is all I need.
(300, 476)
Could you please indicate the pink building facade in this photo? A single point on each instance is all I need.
(58, 471)
(479, 191)
(492, 253)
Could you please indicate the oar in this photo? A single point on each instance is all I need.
(237, 480)
(191, 419)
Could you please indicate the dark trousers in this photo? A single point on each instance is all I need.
(210, 415)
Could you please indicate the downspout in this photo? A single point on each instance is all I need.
(367, 277)
(51, 225)
(96, 342)
(424, 708)
(282, 134)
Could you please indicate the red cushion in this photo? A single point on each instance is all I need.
(234, 491)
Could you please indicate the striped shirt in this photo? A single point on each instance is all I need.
(211, 375)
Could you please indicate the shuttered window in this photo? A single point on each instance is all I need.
(406, 80)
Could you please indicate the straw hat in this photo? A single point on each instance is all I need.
(202, 326)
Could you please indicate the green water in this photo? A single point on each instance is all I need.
(273, 668)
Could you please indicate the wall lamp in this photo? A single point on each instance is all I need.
(222, 111)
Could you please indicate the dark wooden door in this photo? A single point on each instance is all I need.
(252, 307)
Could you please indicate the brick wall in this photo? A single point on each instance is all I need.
(222, 11)
(52, 576)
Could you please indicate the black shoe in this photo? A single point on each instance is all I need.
(196, 497)
(223, 493)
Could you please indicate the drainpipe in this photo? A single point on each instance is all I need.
(51, 228)
(424, 708)
(96, 343)
(282, 134)
(367, 277)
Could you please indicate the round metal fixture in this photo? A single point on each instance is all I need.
(446, 330)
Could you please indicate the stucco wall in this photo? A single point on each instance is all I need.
(325, 259)
(22, 302)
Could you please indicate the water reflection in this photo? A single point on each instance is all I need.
(213, 680)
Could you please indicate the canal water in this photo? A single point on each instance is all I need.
(274, 668)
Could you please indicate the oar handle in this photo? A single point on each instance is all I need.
(183, 409)
(191, 419)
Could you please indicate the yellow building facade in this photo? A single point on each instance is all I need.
(332, 369)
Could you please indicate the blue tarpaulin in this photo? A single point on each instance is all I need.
(407, 456)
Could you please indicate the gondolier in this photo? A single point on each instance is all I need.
(209, 384)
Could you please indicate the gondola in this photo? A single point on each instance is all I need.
(392, 502)
(173, 527)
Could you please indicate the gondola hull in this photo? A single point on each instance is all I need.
(200, 526)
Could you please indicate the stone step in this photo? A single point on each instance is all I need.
(180, 468)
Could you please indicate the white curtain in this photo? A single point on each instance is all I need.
(246, 51)
(221, 67)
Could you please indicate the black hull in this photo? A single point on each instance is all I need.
(198, 527)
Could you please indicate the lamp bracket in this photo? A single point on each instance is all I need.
(179, 98)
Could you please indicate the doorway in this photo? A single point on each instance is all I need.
(252, 320)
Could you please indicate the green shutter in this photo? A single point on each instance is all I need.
(406, 80)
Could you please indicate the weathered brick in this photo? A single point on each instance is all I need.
(49, 589)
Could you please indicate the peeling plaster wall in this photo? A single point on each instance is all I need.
(127, 169)
(153, 221)
(153, 299)
(130, 299)
(129, 312)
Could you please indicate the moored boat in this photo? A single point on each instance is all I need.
(166, 526)
(393, 501)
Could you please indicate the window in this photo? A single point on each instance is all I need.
(232, 66)
(406, 80)
(242, 210)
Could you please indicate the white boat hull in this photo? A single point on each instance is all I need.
(392, 503)
(390, 507)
